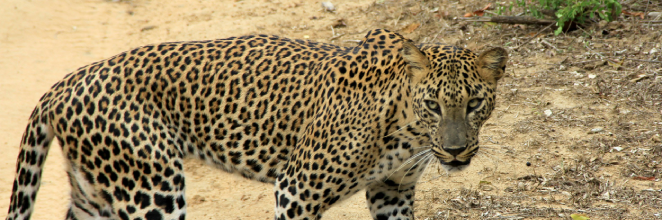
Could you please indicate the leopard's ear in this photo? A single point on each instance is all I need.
(418, 64)
(492, 64)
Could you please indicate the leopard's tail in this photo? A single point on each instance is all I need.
(29, 165)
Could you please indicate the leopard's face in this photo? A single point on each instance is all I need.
(453, 114)
(452, 97)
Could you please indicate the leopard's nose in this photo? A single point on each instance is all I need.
(455, 150)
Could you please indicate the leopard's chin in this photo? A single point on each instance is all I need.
(455, 165)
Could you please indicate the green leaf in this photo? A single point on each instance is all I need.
(579, 217)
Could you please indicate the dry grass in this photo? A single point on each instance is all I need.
(595, 77)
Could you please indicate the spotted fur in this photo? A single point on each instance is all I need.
(319, 121)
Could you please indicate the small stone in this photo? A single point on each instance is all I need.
(562, 68)
(653, 51)
(605, 195)
(328, 6)
(596, 130)
(548, 112)
(147, 28)
(618, 149)
(577, 74)
(528, 164)
(656, 138)
(614, 25)
(591, 76)
(197, 199)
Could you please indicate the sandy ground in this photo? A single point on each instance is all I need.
(41, 41)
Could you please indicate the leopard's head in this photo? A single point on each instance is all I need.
(453, 93)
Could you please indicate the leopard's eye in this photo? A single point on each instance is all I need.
(432, 105)
(473, 104)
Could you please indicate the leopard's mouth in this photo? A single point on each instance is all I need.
(455, 165)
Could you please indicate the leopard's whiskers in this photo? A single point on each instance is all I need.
(426, 158)
(400, 129)
(408, 161)
(425, 146)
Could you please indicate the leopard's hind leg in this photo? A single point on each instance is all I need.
(120, 173)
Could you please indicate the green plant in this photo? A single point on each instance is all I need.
(567, 11)
(502, 8)
(605, 9)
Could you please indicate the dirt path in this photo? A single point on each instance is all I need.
(548, 101)
(41, 41)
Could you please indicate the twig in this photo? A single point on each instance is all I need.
(575, 63)
(646, 12)
(436, 35)
(534, 36)
(590, 61)
(587, 47)
(336, 37)
(395, 23)
(550, 45)
(649, 61)
(512, 20)
(492, 13)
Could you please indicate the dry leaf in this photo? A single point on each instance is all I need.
(616, 65)
(411, 27)
(489, 6)
(579, 216)
(442, 14)
(644, 178)
(639, 78)
(339, 23)
(479, 12)
(635, 14)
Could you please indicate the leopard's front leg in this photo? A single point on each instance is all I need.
(294, 199)
(304, 190)
(389, 200)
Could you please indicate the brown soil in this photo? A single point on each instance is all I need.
(577, 77)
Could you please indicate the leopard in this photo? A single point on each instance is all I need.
(320, 122)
